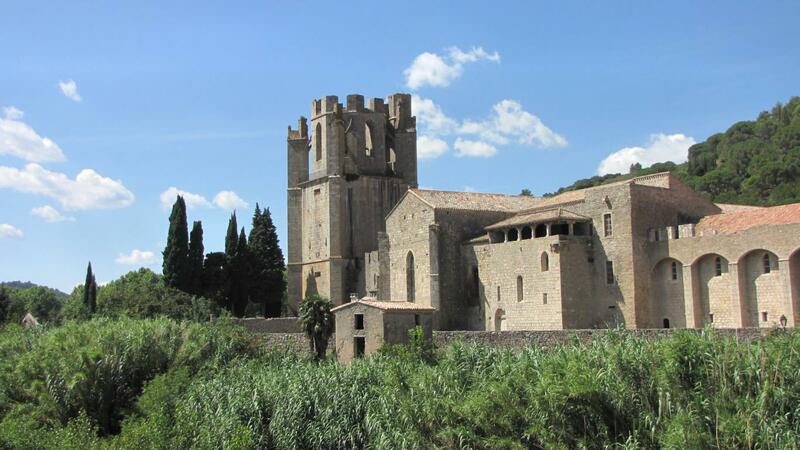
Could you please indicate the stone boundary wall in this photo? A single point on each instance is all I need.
(271, 325)
(517, 340)
(511, 340)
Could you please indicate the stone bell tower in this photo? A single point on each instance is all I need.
(347, 170)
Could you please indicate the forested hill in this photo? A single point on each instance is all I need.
(754, 162)
(29, 285)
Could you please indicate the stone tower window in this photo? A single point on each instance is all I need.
(609, 272)
(607, 230)
(368, 144)
(718, 266)
(410, 288)
(544, 298)
(475, 294)
(545, 262)
(540, 231)
(318, 142)
(666, 323)
(674, 270)
(519, 288)
(764, 316)
(767, 264)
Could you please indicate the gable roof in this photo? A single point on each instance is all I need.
(387, 306)
(539, 216)
(750, 218)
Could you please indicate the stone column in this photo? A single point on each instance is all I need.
(737, 305)
(693, 314)
(786, 285)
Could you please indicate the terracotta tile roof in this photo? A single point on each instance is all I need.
(476, 201)
(386, 306)
(749, 218)
(542, 216)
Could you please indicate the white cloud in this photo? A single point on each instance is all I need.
(137, 258)
(430, 117)
(12, 113)
(473, 55)
(661, 148)
(510, 121)
(430, 69)
(9, 231)
(430, 147)
(469, 189)
(20, 140)
(474, 148)
(50, 214)
(89, 190)
(192, 200)
(70, 90)
(229, 200)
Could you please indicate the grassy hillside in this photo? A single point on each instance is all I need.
(143, 384)
(754, 162)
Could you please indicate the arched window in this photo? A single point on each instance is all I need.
(545, 263)
(718, 266)
(318, 142)
(499, 320)
(666, 323)
(368, 144)
(513, 234)
(526, 233)
(767, 263)
(674, 270)
(540, 231)
(410, 291)
(519, 288)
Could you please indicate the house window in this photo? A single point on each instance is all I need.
(767, 265)
(609, 272)
(359, 321)
(360, 344)
(545, 262)
(519, 288)
(674, 270)
(718, 266)
(607, 231)
(544, 298)
(764, 316)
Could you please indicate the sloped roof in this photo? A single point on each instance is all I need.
(541, 216)
(730, 208)
(387, 306)
(749, 218)
(475, 201)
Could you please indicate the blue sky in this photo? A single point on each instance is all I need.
(139, 97)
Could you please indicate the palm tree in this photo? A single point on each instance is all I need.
(317, 320)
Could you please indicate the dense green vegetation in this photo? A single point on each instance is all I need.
(753, 162)
(162, 384)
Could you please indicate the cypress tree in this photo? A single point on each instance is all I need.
(90, 290)
(231, 238)
(240, 276)
(4, 304)
(267, 283)
(196, 259)
(176, 253)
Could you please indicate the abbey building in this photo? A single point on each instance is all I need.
(648, 252)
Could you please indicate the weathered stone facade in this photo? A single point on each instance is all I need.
(648, 252)
(344, 175)
(363, 327)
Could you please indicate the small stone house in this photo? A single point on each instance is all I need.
(363, 326)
